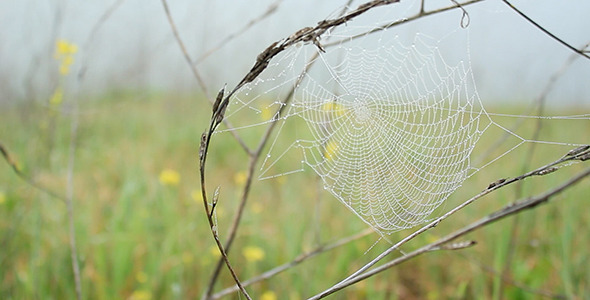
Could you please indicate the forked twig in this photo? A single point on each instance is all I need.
(67, 200)
(539, 102)
(420, 14)
(313, 35)
(196, 73)
(506, 211)
(578, 154)
(183, 48)
(510, 281)
(535, 105)
(13, 164)
(103, 18)
(547, 32)
(70, 199)
(272, 8)
(308, 34)
(299, 259)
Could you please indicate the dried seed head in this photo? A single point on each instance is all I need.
(299, 33)
(203, 145)
(459, 245)
(221, 112)
(547, 171)
(218, 100)
(578, 150)
(497, 182)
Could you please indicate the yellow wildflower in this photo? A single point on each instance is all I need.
(64, 52)
(266, 113)
(169, 177)
(333, 107)
(197, 196)
(64, 69)
(253, 254)
(63, 47)
(268, 295)
(2, 197)
(240, 178)
(331, 149)
(140, 295)
(281, 180)
(214, 251)
(257, 207)
(141, 277)
(68, 60)
(57, 97)
(187, 258)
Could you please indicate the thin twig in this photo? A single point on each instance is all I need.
(183, 48)
(547, 32)
(205, 138)
(272, 8)
(540, 104)
(13, 164)
(307, 34)
(312, 35)
(103, 18)
(70, 199)
(544, 170)
(549, 86)
(254, 157)
(493, 217)
(196, 73)
(510, 281)
(388, 25)
(299, 259)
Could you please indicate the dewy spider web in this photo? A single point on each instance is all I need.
(394, 140)
(388, 126)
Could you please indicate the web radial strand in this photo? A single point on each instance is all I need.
(392, 129)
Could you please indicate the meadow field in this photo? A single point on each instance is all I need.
(142, 233)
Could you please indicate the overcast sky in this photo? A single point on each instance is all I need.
(134, 47)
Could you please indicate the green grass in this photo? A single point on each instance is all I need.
(137, 237)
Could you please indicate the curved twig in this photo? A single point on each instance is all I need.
(415, 17)
(547, 32)
(196, 73)
(506, 211)
(12, 163)
(299, 259)
(272, 8)
(307, 35)
(578, 154)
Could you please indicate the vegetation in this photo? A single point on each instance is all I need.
(142, 234)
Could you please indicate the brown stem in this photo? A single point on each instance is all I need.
(70, 202)
(574, 154)
(508, 210)
(272, 8)
(299, 259)
(196, 73)
(547, 32)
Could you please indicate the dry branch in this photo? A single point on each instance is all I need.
(547, 32)
(573, 155)
(313, 35)
(195, 71)
(299, 259)
(510, 209)
(272, 8)
(13, 164)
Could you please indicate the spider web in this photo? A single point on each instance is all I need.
(388, 125)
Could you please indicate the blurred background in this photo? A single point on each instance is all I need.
(129, 44)
(99, 106)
